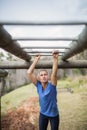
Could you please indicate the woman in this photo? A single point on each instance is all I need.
(47, 93)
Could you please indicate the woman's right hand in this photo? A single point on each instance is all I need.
(55, 53)
(37, 56)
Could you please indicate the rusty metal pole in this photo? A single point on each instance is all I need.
(11, 46)
(77, 46)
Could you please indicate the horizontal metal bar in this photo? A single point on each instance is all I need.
(44, 23)
(42, 54)
(31, 51)
(44, 47)
(47, 64)
(46, 39)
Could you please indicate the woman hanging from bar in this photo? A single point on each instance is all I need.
(47, 93)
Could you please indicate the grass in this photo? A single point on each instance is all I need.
(76, 84)
(72, 106)
(73, 111)
(16, 97)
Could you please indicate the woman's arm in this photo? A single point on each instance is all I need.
(30, 71)
(54, 68)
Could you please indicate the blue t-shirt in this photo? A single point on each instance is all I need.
(47, 99)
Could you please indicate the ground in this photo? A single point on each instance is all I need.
(23, 118)
(72, 107)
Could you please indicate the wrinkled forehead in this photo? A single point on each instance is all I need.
(43, 72)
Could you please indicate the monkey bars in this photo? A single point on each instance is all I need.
(77, 45)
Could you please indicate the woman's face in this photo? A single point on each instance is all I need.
(43, 76)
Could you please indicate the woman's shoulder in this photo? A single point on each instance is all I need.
(38, 83)
(50, 83)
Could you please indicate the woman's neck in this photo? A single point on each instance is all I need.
(44, 85)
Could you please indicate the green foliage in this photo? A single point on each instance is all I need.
(76, 84)
(10, 57)
(76, 71)
(1, 56)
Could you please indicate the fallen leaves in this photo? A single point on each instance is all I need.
(23, 118)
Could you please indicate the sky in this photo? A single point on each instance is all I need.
(43, 11)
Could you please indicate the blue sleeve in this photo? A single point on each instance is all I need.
(52, 85)
(37, 83)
